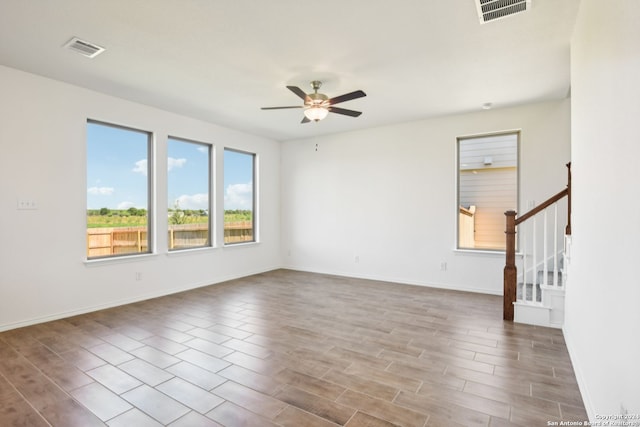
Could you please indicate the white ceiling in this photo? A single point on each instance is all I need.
(221, 60)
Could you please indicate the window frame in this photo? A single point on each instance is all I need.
(254, 197)
(518, 134)
(150, 186)
(210, 194)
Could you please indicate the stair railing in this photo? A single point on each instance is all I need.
(510, 276)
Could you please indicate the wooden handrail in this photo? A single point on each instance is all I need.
(544, 205)
(510, 272)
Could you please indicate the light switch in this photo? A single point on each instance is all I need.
(27, 204)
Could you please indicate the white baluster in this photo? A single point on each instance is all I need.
(534, 290)
(555, 245)
(523, 296)
(545, 255)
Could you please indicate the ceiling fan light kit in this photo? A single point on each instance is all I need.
(316, 113)
(318, 105)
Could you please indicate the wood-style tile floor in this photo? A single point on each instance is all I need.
(287, 348)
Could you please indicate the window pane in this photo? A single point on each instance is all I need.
(118, 200)
(239, 202)
(188, 171)
(487, 188)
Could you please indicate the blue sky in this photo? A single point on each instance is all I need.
(238, 177)
(117, 168)
(188, 174)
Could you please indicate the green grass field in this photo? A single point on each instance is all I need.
(121, 219)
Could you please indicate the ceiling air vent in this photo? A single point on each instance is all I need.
(492, 10)
(85, 48)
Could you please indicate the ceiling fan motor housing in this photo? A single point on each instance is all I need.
(317, 99)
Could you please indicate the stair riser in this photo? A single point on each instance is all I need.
(551, 314)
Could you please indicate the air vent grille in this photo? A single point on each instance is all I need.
(492, 10)
(84, 48)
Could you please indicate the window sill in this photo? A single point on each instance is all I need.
(487, 252)
(188, 251)
(239, 245)
(500, 252)
(118, 259)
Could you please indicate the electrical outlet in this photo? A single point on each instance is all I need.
(357, 259)
(138, 276)
(443, 266)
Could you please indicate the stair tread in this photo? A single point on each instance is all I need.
(549, 277)
(529, 292)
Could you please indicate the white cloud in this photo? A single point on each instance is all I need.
(100, 191)
(175, 163)
(193, 201)
(203, 149)
(238, 196)
(125, 205)
(141, 167)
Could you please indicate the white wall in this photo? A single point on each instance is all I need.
(602, 318)
(381, 203)
(42, 158)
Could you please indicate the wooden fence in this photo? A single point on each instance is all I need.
(124, 240)
(239, 231)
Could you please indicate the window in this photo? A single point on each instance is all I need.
(487, 188)
(118, 190)
(239, 197)
(188, 190)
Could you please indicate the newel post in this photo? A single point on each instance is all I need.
(510, 270)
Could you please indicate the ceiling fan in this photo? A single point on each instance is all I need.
(318, 105)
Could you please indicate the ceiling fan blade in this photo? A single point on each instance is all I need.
(299, 92)
(282, 108)
(344, 111)
(347, 97)
(305, 119)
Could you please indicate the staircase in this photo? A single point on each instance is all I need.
(534, 287)
(539, 301)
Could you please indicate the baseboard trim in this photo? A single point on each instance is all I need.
(118, 303)
(582, 385)
(402, 281)
(218, 280)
